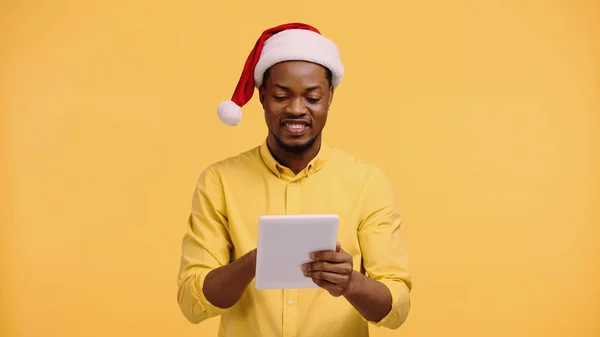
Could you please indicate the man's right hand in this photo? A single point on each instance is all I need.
(224, 286)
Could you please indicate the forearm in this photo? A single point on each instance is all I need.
(371, 298)
(224, 286)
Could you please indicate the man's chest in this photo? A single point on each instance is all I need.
(246, 202)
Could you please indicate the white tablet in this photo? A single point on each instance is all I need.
(284, 244)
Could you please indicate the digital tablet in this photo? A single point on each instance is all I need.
(284, 245)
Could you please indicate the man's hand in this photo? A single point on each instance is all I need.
(331, 270)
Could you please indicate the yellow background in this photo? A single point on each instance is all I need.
(485, 114)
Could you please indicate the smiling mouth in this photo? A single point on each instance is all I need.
(295, 128)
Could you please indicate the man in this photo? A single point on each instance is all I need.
(365, 280)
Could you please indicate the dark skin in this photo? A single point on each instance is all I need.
(334, 272)
(295, 92)
(224, 286)
(299, 93)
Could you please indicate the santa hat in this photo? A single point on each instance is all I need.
(287, 42)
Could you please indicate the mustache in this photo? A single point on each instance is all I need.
(295, 119)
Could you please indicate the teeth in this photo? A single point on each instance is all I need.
(295, 126)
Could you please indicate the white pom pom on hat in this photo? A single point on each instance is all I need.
(287, 42)
(229, 113)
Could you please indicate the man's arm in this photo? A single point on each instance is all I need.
(208, 282)
(382, 295)
(334, 272)
(224, 286)
(372, 299)
(383, 252)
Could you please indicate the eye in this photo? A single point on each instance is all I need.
(313, 100)
(280, 98)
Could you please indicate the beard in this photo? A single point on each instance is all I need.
(295, 149)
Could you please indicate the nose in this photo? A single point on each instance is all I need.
(296, 107)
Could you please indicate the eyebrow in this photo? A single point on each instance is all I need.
(306, 90)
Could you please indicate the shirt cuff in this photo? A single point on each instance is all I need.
(400, 305)
(205, 306)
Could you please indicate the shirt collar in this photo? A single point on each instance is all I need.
(283, 172)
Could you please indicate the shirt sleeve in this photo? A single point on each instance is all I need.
(381, 242)
(206, 245)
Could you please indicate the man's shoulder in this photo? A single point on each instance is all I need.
(359, 171)
(354, 164)
(237, 163)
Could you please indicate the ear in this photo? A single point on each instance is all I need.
(331, 91)
(261, 95)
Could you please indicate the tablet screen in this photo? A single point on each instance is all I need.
(284, 244)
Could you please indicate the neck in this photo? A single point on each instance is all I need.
(294, 161)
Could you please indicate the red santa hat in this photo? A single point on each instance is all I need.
(287, 42)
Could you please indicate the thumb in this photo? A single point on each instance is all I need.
(338, 247)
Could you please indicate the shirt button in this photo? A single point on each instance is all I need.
(293, 184)
(290, 302)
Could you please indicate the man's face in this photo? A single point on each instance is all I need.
(296, 96)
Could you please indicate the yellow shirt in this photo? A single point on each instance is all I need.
(232, 194)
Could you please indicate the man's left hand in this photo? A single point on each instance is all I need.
(331, 270)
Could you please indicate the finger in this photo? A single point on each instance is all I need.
(323, 284)
(329, 277)
(338, 246)
(333, 289)
(330, 256)
(337, 268)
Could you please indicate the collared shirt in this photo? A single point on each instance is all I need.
(232, 194)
